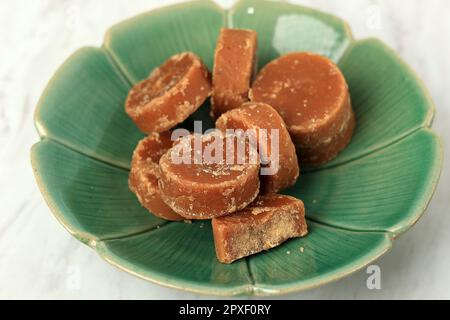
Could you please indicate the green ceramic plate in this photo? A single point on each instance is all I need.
(356, 205)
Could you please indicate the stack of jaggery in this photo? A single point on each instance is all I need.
(296, 110)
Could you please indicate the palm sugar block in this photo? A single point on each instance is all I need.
(234, 67)
(265, 224)
(274, 143)
(211, 175)
(311, 94)
(144, 174)
(170, 94)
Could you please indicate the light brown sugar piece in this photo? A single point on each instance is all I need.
(144, 174)
(329, 149)
(234, 66)
(310, 93)
(273, 142)
(266, 223)
(206, 176)
(171, 93)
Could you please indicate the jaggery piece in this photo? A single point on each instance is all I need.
(256, 116)
(234, 67)
(328, 150)
(206, 176)
(266, 223)
(144, 174)
(310, 93)
(171, 93)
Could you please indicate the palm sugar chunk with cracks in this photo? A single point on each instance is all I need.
(234, 67)
(280, 168)
(144, 174)
(328, 150)
(199, 181)
(171, 93)
(311, 94)
(265, 224)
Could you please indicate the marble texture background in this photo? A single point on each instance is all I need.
(39, 259)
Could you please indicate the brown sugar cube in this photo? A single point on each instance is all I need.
(329, 149)
(310, 93)
(144, 174)
(206, 176)
(171, 93)
(234, 66)
(252, 115)
(266, 223)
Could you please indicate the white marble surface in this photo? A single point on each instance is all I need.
(39, 259)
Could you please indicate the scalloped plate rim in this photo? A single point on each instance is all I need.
(255, 289)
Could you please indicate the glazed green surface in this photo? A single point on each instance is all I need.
(178, 252)
(383, 191)
(376, 189)
(388, 100)
(186, 252)
(83, 108)
(308, 262)
(91, 197)
(284, 27)
(142, 43)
